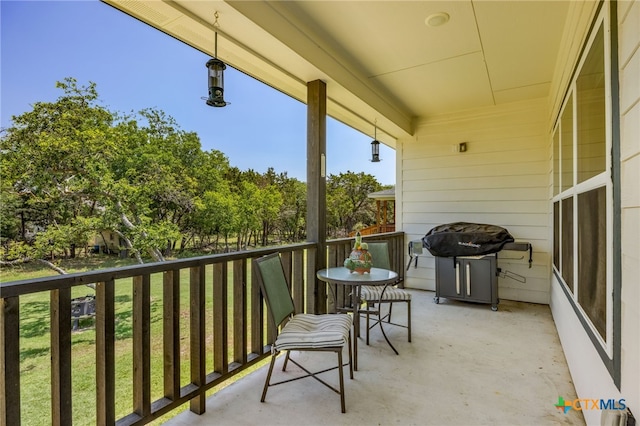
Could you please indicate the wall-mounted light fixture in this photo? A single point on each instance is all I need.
(459, 147)
(375, 145)
(215, 79)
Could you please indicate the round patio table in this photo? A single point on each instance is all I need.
(344, 277)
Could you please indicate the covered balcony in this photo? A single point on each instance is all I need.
(521, 114)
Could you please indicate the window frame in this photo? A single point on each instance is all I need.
(609, 348)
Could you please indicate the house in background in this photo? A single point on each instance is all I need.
(385, 213)
(108, 242)
(104, 242)
(385, 210)
(544, 95)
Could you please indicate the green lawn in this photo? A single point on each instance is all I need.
(35, 344)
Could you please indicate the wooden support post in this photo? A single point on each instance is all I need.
(317, 180)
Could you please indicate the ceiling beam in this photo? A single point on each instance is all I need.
(280, 21)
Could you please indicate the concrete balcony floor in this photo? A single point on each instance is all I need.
(466, 365)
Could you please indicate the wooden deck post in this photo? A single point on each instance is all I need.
(142, 345)
(105, 352)
(10, 361)
(171, 333)
(197, 334)
(317, 180)
(60, 302)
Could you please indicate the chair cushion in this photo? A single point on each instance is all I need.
(309, 331)
(372, 294)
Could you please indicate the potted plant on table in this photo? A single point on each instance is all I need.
(360, 260)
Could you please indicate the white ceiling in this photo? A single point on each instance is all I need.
(380, 61)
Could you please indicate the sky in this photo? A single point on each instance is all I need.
(135, 66)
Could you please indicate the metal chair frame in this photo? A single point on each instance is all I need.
(380, 253)
(282, 310)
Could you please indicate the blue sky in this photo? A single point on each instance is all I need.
(135, 66)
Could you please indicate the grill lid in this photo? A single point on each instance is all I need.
(466, 239)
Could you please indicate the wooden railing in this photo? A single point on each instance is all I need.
(227, 327)
(375, 229)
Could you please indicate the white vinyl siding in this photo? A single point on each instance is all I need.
(502, 179)
(629, 65)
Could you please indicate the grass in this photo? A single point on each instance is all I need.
(35, 374)
(33, 270)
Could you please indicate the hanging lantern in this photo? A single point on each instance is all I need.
(216, 82)
(375, 151)
(375, 145)
(215, 68)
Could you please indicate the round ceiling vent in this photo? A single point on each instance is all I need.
(437, 19)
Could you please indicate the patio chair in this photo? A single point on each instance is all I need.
(370, 295)
(301, 332)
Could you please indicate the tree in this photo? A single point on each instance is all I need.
(248, 221)
(269, 202)
(348, 202)
(48, 164)
(291, 219)
(10, 214)
(212, 201)
(166, 171)
(216, 214)
(87, 165)
(72, 169)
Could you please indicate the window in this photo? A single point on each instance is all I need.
(566, 126)
(592, 257)
(590, 114)
(567, 241)
(583, 192)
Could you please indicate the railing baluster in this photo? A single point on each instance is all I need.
(312, 288)
(257, 314)
(220, 315)
(142, 345)
(10, 361)
(240, 311)
(60, 306)
(297, 280)
(105, 353)
(198, 338)
(171, 333)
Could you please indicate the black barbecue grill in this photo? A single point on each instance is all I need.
(466, 260)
